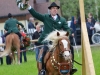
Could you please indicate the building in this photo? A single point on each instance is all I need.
(10, 6)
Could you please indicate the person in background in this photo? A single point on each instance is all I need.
(37, 46)
(90, 28)
(73, 28)
(31, 27)
(23, 48)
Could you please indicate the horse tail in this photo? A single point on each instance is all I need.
(7, 50)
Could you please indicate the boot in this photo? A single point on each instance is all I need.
(42, 72)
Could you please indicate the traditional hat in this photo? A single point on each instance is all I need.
(53, 5)
(9, 15)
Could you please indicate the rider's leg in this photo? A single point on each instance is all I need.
(6, 34)
(40, 59)
(45, 48)
(42, 64)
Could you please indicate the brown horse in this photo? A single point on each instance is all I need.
(12, 40)
(60, 61)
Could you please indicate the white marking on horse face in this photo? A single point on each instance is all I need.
(66, 54)
(65, 43)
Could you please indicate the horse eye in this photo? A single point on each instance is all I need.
(50, 42)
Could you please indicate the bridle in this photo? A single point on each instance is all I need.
(66, 65)
(60, 50)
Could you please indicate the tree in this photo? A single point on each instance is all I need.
(71, 7)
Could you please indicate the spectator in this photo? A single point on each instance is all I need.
(36, 35)
(90, 28)
(31, 27)
(30, 24)
(92, 19)
(73, 28)
(23, 48)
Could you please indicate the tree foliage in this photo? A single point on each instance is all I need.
(71, 7)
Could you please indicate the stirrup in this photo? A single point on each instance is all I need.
(42, 72)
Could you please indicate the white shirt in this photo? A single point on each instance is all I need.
(55, 17)
(97, 27)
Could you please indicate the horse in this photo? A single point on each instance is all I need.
(12, 41)
(60, 60)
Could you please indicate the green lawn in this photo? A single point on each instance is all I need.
(29, 67)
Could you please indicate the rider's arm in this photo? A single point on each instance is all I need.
(5, 26)
(36, 14)
(20, 24)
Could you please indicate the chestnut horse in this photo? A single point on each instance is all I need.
(60, 60)
(12, 41)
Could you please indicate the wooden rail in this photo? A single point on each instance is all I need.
(87, 61)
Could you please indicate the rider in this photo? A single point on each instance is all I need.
(52, 22)
(11, 26)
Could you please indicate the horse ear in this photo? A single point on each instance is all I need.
(58, 34)
(67, 34)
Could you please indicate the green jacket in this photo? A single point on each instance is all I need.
(11, 25)
(49, 23)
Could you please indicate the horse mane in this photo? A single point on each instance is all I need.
(54, 38)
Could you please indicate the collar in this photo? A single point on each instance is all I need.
(55, 17)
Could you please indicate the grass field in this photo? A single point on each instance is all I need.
(29, 67)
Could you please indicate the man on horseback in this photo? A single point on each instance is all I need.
(51, 22)
(11, 26)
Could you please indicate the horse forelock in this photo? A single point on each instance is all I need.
(54, 38)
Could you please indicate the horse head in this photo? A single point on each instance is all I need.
(64, 46)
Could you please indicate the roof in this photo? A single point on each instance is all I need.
(41, 7)
(10, 6)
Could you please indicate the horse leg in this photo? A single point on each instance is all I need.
(14, 61)
(11, 58)
(18, 54)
